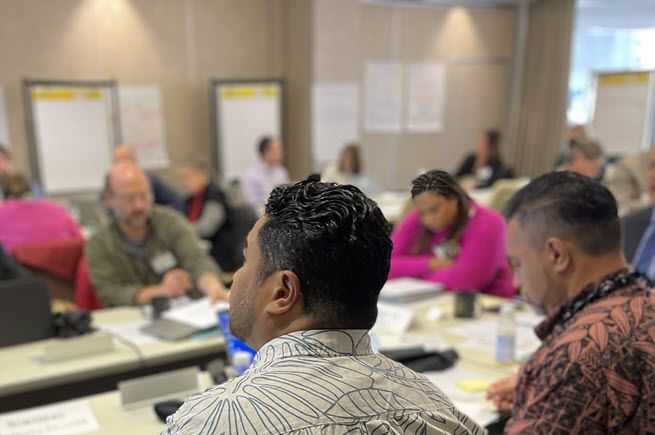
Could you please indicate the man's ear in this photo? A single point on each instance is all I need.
(558, 254)
(284, 293)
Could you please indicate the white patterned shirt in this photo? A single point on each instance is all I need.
(322, 382)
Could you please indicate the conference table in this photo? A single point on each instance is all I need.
(433, 325)
(27, 379)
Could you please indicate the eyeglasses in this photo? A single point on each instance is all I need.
(136, 197)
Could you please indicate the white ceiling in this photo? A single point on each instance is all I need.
(616, 14)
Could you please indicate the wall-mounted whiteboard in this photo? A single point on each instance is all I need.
(623, 114)
(245, 111)
(72, 128)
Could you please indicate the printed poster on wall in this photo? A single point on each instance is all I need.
(383, 97)
(426, 97)
(335, 120)
(142, 124)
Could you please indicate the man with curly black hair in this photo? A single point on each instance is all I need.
(305, 299)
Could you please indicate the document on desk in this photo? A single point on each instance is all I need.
(409, 289)
(200, 313)
(453, 382)
(130, 331)
(482, 334)
(65, 418)
(392, 319)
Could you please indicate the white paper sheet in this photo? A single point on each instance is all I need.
(482, 334)
(335, 119)
(199, 314)
(384, 97)
(393, 319)
(60, 419)
(142, 122)
(426, 97)
(473, 405)
(130, 331)
(408, 289)
(5, 139)
(429, 342)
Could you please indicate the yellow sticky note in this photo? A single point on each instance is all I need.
(473, 385)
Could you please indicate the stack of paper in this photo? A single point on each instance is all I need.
(200, 314)
(409, 290)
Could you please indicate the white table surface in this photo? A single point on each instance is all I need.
(22, 367)
(113, 419)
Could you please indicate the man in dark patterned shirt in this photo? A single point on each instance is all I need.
(595, 370)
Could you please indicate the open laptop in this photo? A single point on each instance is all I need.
(25, 313)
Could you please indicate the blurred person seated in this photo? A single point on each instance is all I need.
(6, 169)
(269, 172)
(593, 373)
(639, 230)
(350, 171)
(146, 251)
(162, 194)
(25, 221)
(585, 158)
(483, 168)
(574, 133)
(305, 300)
(627, 179)
(451, 240)
(213, 216)
(350, 166)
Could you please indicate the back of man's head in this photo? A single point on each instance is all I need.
(263, 145)
(198, 165)
(123, 153)
(571, 207)
(336, 241)
(587, 149)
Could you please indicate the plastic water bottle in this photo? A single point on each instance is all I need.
(506, 338)
(239, 354)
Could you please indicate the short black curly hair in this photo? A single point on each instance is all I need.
(336, 240)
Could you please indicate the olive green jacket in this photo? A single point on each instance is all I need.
(118, 275)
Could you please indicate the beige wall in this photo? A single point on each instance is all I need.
(298, 73)
(476, 45)
(180, 44)
(176, 44)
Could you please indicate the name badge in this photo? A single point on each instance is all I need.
(163, 262)
(439, 251)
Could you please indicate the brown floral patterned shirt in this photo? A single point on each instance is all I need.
(595, 372)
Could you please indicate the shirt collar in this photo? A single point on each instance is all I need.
(322, 343)
(545, 328)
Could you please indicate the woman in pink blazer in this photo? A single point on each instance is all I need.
(451, 240)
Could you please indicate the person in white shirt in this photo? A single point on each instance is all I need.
(260, 179)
